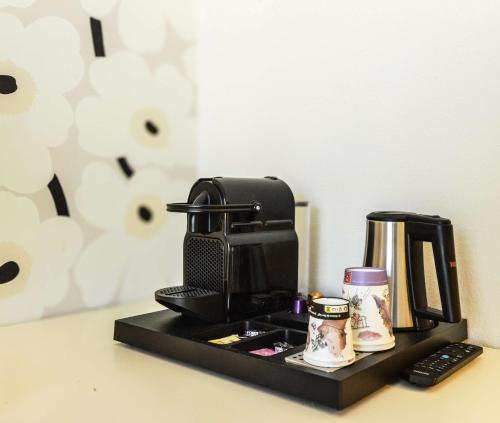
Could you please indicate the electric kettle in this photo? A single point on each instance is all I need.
(394, 241)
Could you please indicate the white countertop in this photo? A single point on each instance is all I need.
(69, 369)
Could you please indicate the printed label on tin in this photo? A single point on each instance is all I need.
(336, 309)
(330, 312)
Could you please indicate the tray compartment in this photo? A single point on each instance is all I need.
(234, 329)
(292, 337)
(287, 320)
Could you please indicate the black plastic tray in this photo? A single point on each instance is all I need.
(172, 335)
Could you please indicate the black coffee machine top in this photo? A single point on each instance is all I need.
(240, 249)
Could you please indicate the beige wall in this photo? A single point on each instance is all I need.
(363, 106)
(73, 112)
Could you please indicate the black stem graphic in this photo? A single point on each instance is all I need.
(58, 196)
(125, 166)
(97, 38)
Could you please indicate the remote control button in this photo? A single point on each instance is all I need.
(445, 356)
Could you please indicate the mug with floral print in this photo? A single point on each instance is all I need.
(329, 337)
(367, 290)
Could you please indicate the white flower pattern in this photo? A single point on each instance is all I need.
(137, 114)
(126, 110)
(35, 258)
(34, 113)
(142, 24)
(16, 3)
(134, 254)
(189, 63)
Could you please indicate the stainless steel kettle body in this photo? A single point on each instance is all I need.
(385, 247)
(394, 241)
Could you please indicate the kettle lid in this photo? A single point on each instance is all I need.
(398, 216)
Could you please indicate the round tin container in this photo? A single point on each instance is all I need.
(367, 290)
(329, 336)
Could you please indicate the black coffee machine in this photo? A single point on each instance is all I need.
(240, 250)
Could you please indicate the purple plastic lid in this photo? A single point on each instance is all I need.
(365, 276)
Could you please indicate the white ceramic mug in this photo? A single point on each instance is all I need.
(329, 336)
(367, 290)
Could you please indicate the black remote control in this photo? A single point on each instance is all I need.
(444, 362)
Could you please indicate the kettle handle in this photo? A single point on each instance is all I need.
(443, 247)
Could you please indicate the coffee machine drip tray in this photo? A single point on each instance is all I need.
(262, 349)
(192, 301)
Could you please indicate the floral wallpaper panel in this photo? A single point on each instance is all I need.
(97, 133)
